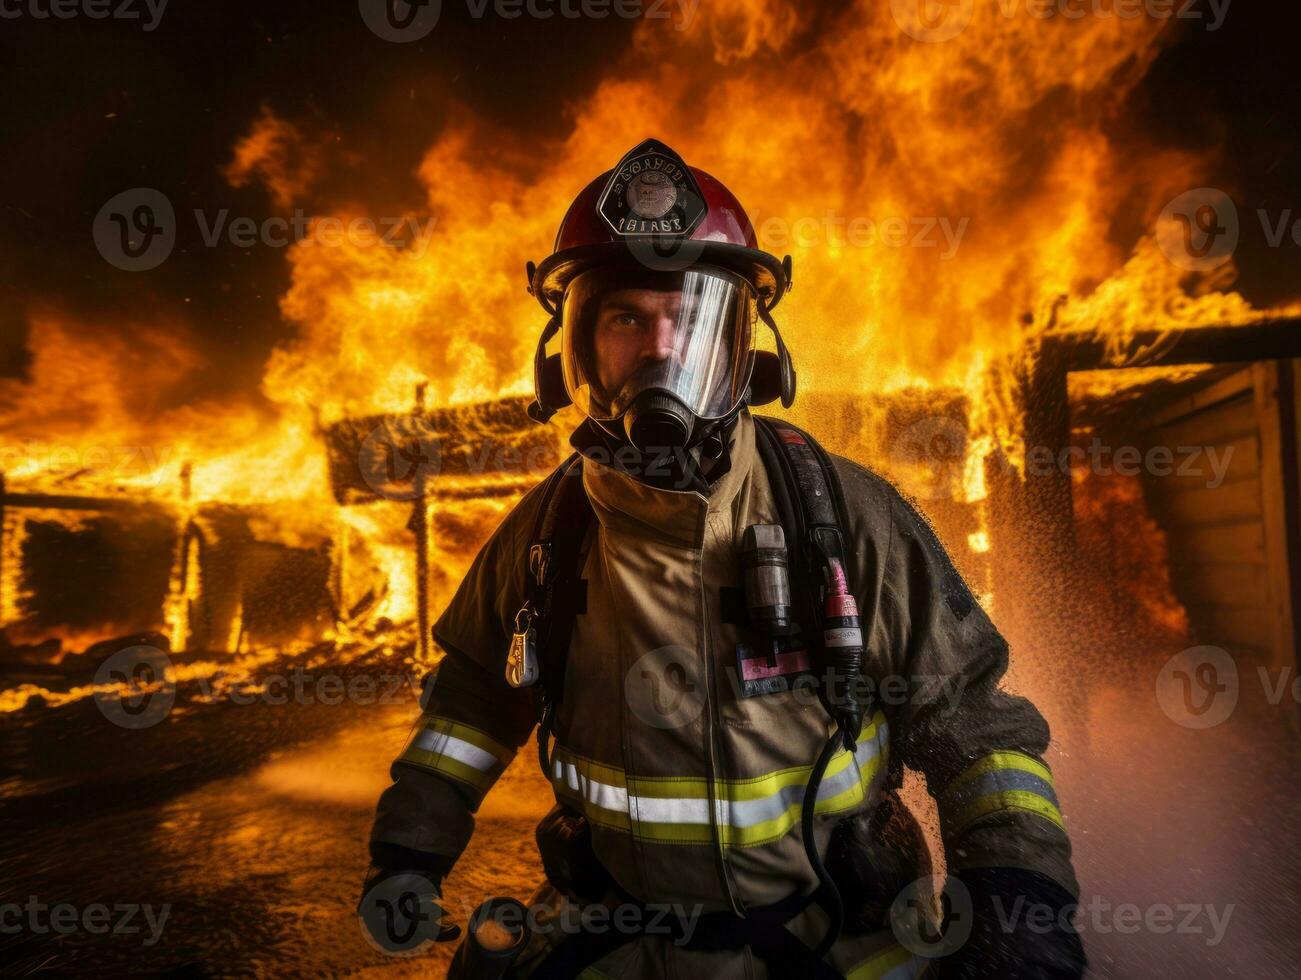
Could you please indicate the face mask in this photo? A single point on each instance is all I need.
(658, 353)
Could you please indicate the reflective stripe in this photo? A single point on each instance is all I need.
(1001, 781)
(999, 761)
(466, 754)
(748, 811)
(440, 743)
(894, 963)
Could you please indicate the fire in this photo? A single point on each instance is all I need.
(1121, 539)
(276, 153)
(944, 204)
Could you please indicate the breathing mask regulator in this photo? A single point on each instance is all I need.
(659, 362)
(656, 286)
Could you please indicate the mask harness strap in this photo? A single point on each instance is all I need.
(783, 357)
(553, 595)
(542, 407)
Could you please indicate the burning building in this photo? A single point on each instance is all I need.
(944, 260)
(991, 278)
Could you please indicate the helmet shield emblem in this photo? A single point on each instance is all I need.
(652, 193)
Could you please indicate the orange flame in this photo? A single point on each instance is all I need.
(944, 203)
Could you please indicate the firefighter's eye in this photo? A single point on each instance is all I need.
(626, 320)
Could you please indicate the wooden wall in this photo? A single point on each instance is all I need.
(1232, 532)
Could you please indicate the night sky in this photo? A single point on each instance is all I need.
(93, 107)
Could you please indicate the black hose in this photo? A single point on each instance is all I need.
(544, 740)
(831, 901)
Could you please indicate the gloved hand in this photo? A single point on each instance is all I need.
(1002, 944)
(399, 910)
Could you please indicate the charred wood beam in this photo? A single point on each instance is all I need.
(493, 445)
(48, 501)
(1047, 408)
(479, 491)
(1270, 340)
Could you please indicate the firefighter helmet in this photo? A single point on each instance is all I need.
(653, 229)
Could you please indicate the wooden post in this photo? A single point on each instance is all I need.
(1274, 398)
(177, 614)
(339, 576)
(420, 525)
(3, 569)
(1047, 471)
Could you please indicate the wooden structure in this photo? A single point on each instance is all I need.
(487, 449)
(15, 507)
(1235, 547)
(201, 573)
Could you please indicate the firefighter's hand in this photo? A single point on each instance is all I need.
(992, 949)
(399, 911)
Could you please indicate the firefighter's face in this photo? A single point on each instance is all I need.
(635, 329)
(628, 331)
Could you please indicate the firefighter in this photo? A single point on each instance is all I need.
(696, 776)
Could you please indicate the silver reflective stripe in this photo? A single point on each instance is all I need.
(605, 796)
(660, 810)
(747, 813)
(1001, 780)
(868, 749)
(695, 810)
(440, 743)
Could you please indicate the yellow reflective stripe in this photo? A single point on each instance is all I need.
(672, 787)
(893, 963)
(480, 782)
(1021, 800)
(464, 753)
(732, 836)
(675, 787)
(779, 827)
(755, 788)
(597, 771)
(998, 782)
(747, 811)
(1001, 760)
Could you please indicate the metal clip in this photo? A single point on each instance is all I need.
(522, 661)
(539, 559)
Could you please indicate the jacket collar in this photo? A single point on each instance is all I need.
(624, 503)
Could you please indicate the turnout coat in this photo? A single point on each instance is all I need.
(692, 788)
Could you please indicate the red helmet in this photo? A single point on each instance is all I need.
(655, 213)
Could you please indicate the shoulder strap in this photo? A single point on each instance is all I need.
(554, 568)
(810, 500)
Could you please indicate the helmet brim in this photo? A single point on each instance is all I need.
(765, 272)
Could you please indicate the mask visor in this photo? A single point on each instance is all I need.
(627, 331)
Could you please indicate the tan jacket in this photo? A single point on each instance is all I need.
(693, 792)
